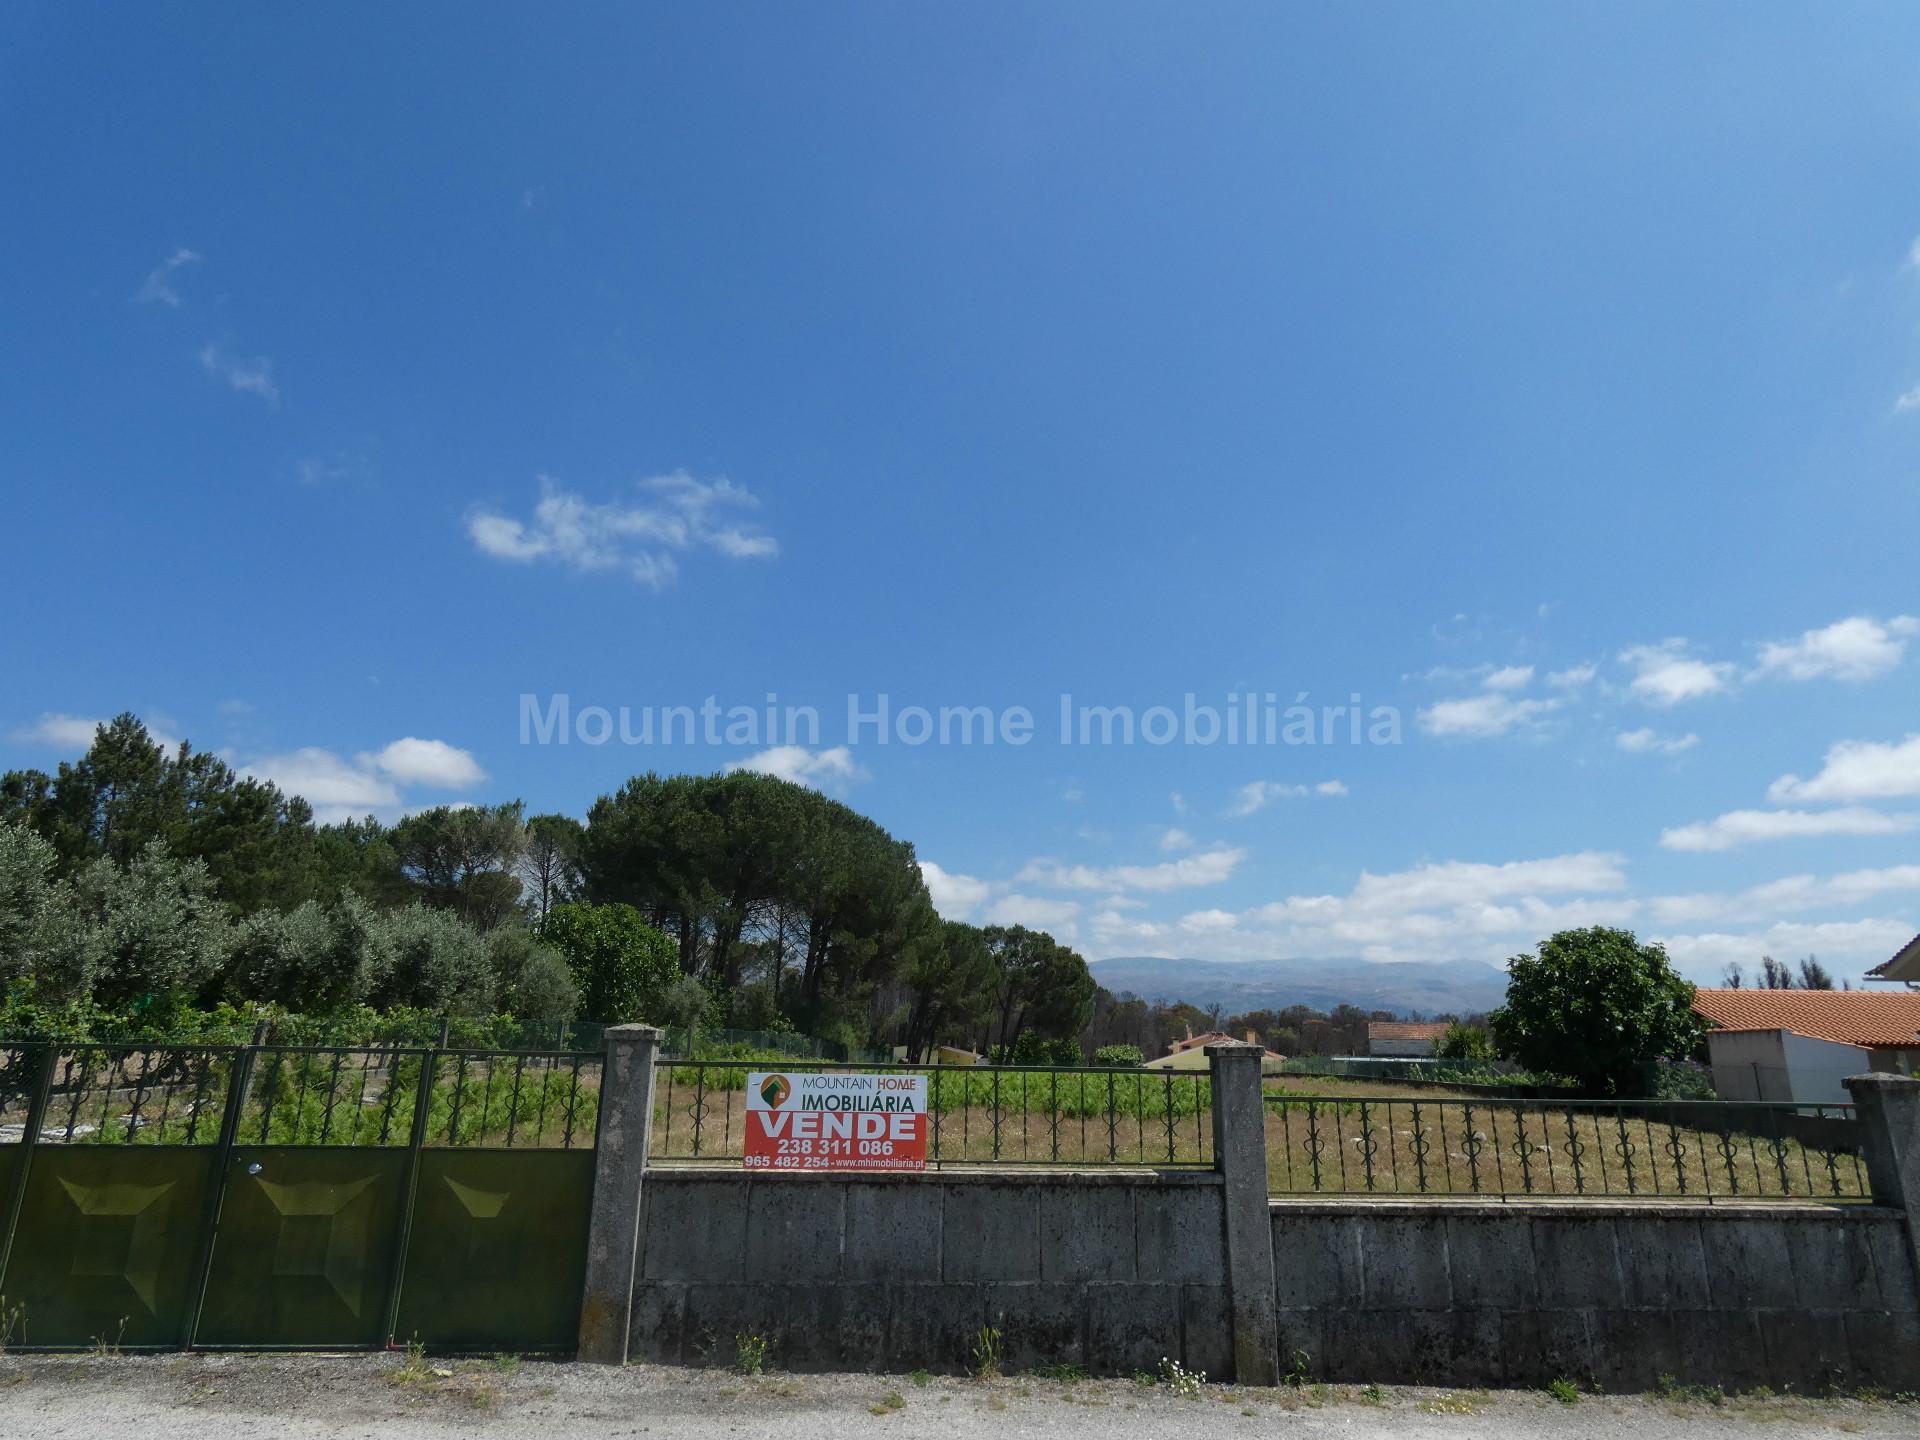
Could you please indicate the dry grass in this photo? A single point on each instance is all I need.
(1333, 1135)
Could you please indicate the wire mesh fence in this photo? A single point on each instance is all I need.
(1685, 1150)
(978, 1115)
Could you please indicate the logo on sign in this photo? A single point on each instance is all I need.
(774, 1090)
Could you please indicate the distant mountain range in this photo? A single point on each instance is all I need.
(1237, 985)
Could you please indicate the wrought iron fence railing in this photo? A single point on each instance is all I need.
(1666, 1149)
(978, 1115)
(298, 1095)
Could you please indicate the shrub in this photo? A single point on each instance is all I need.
(623, 966)
(1464, 1042)
(1594, 1005)
(1117, 1056)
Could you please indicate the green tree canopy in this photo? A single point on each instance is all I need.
(1596, 1005)
(623, 966)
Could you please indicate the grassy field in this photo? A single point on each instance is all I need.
(1325, 1135)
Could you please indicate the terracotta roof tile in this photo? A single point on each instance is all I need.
(1406, 1029)
(1846, 1017)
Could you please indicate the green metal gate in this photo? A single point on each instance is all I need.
(269, 1197)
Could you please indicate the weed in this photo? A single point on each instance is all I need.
(1564, 1390)
(105, 1349)
(1448, 1405)
(994, 1402)
(13, 1323)
(481, 1397)
(1143, 1379)
(1061, 1374)
(413, 1372)
(893, 1400)
(1185, 1383)
(506, 1364)
(1299, 1366)
(921, 1378)
(1373, 1395)
(987, 1353)
(750, 1353)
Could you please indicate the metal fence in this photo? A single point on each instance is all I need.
(998, 1115)
(302, 1197)
(1671, 1149)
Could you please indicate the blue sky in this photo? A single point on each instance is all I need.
(1547, 375)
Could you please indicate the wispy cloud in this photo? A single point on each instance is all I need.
(819, 769)
(1746, 827)
(249, 374)
(671, 515)
(1483, 716)
(159, 288)
(1667, 674)
(1857, 648)
(1857, 770)
(1908, 401)
(955, 896)
(1258, 794)
(1645, 741)
(1210, 867)
(68, 732)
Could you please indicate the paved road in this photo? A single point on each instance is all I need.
(308, 1397)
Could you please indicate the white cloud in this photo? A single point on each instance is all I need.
(1513, 677)
(1174, 838)
(75, 732)
(159, 288)
(1908, 401)
(337, 789)
(1258, 794)
(1645, 741)
(1206, 922)
(1483, 716)
(1054, 916)
(1857, 770)
(672, 515)
(955, 896)
(368, 784)
(1844, 945)
(1857, 648)
(413, 761)
(1744, 827)
(249, 374)
(819, 769)
(1453, 909)
(68, 732)
(1665, 674)
(1573, 677)
(1786, 895)
(1210, 867)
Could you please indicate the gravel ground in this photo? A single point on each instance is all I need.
(222, 1397)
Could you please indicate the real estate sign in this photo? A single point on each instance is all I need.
(800, 1120)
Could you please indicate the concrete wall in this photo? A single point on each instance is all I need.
(1112, 1271)
(1780, 1065)
(1748, 1064)
(1817, 1070)
(1470, 1293)
(897, 1272)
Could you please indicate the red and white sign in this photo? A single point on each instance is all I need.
(800, 1120)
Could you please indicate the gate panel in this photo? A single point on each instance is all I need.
(499, 1249)
(105, 1246)
(305, 1252)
